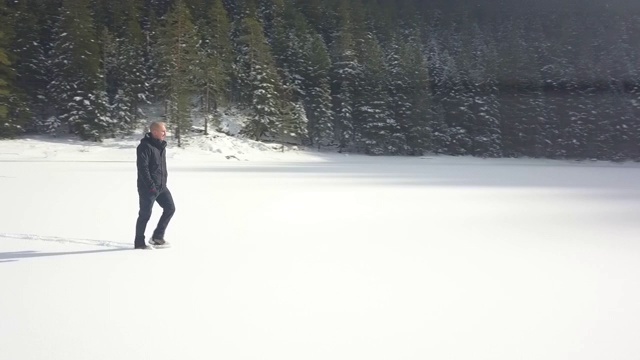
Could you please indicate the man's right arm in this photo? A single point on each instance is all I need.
(143, 167)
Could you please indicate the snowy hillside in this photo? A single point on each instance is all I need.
(215, 146)
(223, 142)
(303, 255)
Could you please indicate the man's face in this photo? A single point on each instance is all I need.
(159, 132)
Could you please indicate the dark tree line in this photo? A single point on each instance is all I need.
(504, 78)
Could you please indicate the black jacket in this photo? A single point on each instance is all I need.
(152, 164)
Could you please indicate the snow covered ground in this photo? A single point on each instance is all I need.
(303, 255)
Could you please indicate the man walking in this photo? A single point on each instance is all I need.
(152, 185)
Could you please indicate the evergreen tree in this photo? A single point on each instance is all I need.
(78, 85)
(572, 113)
(290, 41)
(178, 46)
(215, 55)
(31, 65)
(384, 23)
(289, 36)
(376, 131)
(527, 120)
(516, 78)
(8, 124)
(292, 125)
(440, 133)
(125, 72)
(450, 94)
(624, 82)
(152, 55)
(132, 87)
(437, 61)
(554, 70)
(400, 91)
(317, 97)
(260, 82)
(482, 107)
(345, 72)
(417, 125)
(271, 16)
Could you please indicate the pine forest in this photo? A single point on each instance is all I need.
(542, 79)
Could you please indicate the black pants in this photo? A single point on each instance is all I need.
(147, 200)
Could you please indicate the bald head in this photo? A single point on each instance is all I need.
(158, 130)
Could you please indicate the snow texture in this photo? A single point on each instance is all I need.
(305, 255)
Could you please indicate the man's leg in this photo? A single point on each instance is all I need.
(165, 200)
(146, 205)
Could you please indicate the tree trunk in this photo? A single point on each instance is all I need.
(207, 112)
